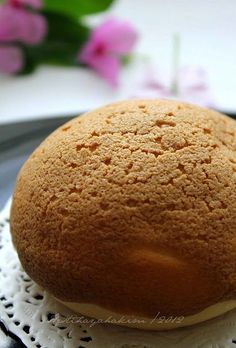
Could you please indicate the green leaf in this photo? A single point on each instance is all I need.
(64, 28)
(30, 62)
(77, 8)
(61, 46)
(50, 52)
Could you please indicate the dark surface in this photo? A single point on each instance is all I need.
(17, 141)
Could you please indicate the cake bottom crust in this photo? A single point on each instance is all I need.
(160, 322)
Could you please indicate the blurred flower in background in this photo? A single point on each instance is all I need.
(107, 44)
(37, 4)
(60, 37)
(34, 32)
(11, 59)
(187, 83)
(19, 23)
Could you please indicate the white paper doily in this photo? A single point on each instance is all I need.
(40, 321)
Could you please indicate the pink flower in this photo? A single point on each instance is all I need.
(190, 85)
(194, 87)
(107, 44)
(153, 86)
(36, 4)
(11, 59)
(18, 24)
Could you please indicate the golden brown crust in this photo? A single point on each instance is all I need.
(132, 207)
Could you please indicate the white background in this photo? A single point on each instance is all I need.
(208, 38)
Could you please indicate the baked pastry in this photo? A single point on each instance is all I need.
(129, 211)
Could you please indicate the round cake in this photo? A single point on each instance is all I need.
(129, 212)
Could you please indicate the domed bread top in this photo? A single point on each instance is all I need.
(132, 207)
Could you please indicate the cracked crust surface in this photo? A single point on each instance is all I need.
(132, 207)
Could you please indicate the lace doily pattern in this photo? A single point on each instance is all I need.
(40, 321)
